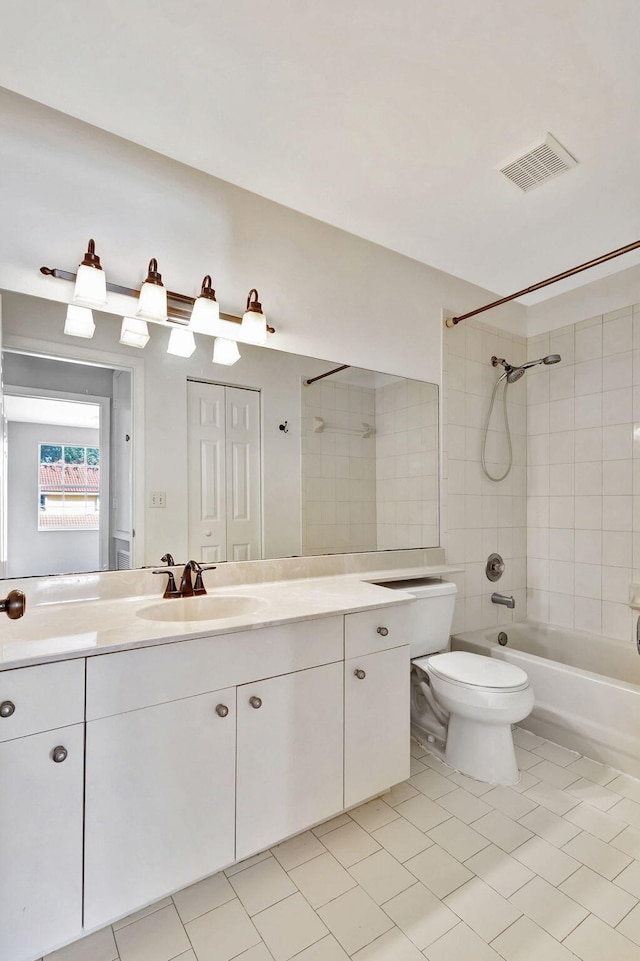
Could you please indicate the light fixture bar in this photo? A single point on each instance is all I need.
(179, 305)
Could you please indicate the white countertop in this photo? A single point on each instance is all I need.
(78, 628)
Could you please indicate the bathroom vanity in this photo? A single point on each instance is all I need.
(161, 752)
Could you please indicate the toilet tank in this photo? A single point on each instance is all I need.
(431, 613)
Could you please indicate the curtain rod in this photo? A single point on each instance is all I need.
(335, 370)
(452, 321)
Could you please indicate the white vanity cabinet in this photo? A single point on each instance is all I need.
(290, 755)
(41, 793)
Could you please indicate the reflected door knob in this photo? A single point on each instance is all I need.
(222, 710)
(383, 631)
(7, 708)
(207, 533)
(360, 674)
(255, 702)
(59, 754)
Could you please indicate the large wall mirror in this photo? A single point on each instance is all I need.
(117, 456)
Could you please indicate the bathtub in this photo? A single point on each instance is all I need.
(587, 687)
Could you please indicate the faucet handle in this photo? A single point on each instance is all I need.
(171, 590)
(198, 587)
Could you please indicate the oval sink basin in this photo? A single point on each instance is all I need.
(202, 608)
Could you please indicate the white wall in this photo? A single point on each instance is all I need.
(31, 551)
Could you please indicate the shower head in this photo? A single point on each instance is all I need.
(515, 373)
(552, 359)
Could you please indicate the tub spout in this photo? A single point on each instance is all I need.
(503, 599)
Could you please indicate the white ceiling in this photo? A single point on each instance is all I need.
(45, 410)
(385, 119)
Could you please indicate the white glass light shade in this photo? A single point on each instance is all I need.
(253, 329)
(91, 287)
(79, 321)
(134, 332)
(205, 316)
(182, 343)
(152, 304)
(225, 351)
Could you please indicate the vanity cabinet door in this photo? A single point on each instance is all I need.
(290, 755)
(160, 799)
(41, 779)
(376, 720)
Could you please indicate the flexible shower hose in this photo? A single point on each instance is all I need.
(506, 424)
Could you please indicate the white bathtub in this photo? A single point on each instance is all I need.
(587, 687)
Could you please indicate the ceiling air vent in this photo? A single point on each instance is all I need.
(543, 161)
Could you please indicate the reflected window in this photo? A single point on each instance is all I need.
(68, 487)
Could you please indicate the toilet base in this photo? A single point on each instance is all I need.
(482, 751)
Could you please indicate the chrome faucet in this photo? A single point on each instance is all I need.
(187, 587)
(507, 601)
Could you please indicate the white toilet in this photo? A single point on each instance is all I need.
(462, 704)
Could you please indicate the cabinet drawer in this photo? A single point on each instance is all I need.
(369, 631)
(42, 697)
(130, 680)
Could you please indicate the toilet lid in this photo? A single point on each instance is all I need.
(477, 670)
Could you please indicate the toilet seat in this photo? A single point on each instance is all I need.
(474, 670)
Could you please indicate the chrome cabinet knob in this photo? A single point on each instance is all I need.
(59, 754)
(7, 708)
(222, 710)
(255, 702)
(383, 631)
(360, 674)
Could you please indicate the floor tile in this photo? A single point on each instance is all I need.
(402, 839)
(417, 750)
(596, 822)
(432, 784)
(526, 739)
(416, 766)
(628, 841)
(399, 793)
(437, 764)
(204, 896)
(460, 943)
(458, 839)
(150, 909)
(423, 812)
(482, 908)
(594, 794)
(548, 907)
(630, 925)
(463, 805)
(552, 798)
(502, 830)
(439, 871)
(350, 843)
(392, 946)
(322, 879)
(629, 879)
(627, 811)
(354, 919)
(550, 826)
(157, 937)
(190, 956)
(262, 885)
(626, 786)
(421, 915)
(600, 897)
(511, 803)
(553, 752)
(547, 861)
(223, 933)
(499, 870)
(337, 822)
(600, 857)
(593, 770)
(297, 850)
(289, 927)
(247, 863)
(477, 788)
(327, 949)
(554, 774)
(374, 814)
(526, 781)
(594, 940)
(525, 759)
(99, 946)
(525, 941)
(258, 953)
(381, 876)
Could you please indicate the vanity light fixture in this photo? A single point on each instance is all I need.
(79, 322)
(225, 351)
(91, 283)
(153, 296)
(134, 332)
(206, 310)
(182, 343)
(254, 323)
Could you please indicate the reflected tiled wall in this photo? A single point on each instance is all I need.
(584, 484)
(480, 516)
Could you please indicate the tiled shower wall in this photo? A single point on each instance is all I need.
(584, 474)
(480, 516)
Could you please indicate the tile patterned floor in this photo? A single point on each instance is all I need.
(442, 867)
